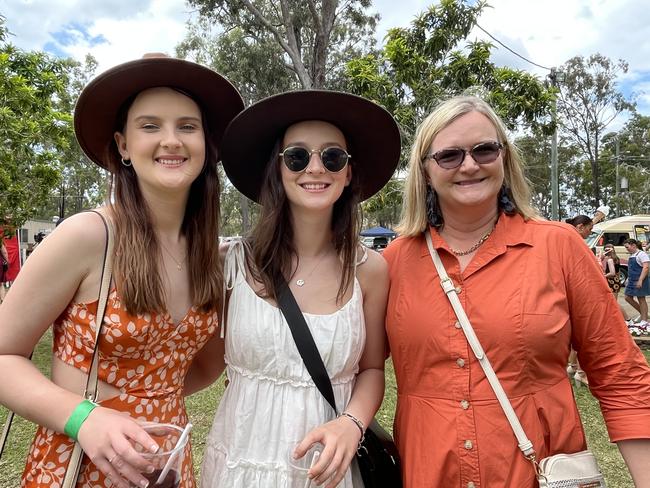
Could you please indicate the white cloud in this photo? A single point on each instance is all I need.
(130, 28)
(548, 33)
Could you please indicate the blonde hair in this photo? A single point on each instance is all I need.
(414, 212)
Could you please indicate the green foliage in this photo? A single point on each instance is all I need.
(428, 62)
(39, 153)
(31, 128)
(589, 100)
(630, 148)
(384, 208)
(82, 183)
(240, 58)
(310, 41)
(266, 47)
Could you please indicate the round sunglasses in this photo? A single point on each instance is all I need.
(453, 157)
(297, 158)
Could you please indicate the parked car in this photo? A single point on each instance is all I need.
(376, 243)
(615, 231)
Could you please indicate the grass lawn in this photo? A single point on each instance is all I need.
(202, 405)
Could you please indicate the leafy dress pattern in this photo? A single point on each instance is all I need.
(145, 356)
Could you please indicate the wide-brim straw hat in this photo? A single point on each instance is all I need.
(371, 133)
(100, 101)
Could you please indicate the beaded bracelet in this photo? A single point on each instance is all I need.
(77, 418)
(358, 423)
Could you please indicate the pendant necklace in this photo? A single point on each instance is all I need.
(474, 247)
(301, 281)
(179, 266)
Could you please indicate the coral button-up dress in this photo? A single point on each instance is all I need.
(532, 289)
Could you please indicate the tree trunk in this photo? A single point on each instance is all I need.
(245, 215)
(595, 173)
(323, 26)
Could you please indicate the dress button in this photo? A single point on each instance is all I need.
(457, 325)
(471, 485)
(459, 289)
(464, 405)
(460, 362)
(468, 444)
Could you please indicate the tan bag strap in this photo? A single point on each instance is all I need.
(90, 391)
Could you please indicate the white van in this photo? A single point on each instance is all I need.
(615, 231)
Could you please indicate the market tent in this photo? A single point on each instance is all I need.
(379, 232)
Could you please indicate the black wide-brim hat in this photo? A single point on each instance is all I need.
(100, 101)
(371, 133)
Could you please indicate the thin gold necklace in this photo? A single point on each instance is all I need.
(474, 247)
(178, 263)
(301, 281)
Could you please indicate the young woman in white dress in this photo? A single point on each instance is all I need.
(308, 158)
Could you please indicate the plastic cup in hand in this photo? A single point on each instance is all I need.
(302, 465)
(168, 461)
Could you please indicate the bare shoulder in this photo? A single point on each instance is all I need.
(373, 271)
(84, 232)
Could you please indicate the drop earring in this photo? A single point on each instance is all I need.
(505, 202)
(434, 217)
(126, 162)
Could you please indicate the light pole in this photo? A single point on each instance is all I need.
(618, 182)
(554, 76)
(624, 184)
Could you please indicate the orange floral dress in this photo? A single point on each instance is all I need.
(146, 357)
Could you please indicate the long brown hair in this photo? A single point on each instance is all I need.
(271, 240)
(612, 254)
(136, 264)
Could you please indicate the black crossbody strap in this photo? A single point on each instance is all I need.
(305, 342)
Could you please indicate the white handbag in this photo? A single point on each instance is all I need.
(577, 470)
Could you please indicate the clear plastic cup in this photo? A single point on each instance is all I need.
(302, 465)
(167, 436)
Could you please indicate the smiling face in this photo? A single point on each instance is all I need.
(164, 140)
(470, 184)
(314, 187)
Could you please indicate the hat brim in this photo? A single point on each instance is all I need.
(371, 133)
(98, 105)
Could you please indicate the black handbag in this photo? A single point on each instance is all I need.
(377, 455)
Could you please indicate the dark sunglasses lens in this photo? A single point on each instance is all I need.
(485, 152)
(449, 158)
(334, 159)
(296, 158)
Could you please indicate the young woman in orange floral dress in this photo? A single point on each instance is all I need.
(154, 125)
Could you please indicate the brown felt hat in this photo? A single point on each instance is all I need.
(371, 133)
(100, 101)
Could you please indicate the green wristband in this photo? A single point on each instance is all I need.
(77, 418)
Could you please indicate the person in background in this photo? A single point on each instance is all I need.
(611, 265)
(12, 246)
(583, 224)
(638, 283)
(155, 125)
(530, 288)
(4, 266)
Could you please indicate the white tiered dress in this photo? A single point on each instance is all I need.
(271, 402)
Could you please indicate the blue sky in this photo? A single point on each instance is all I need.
(548, 33)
